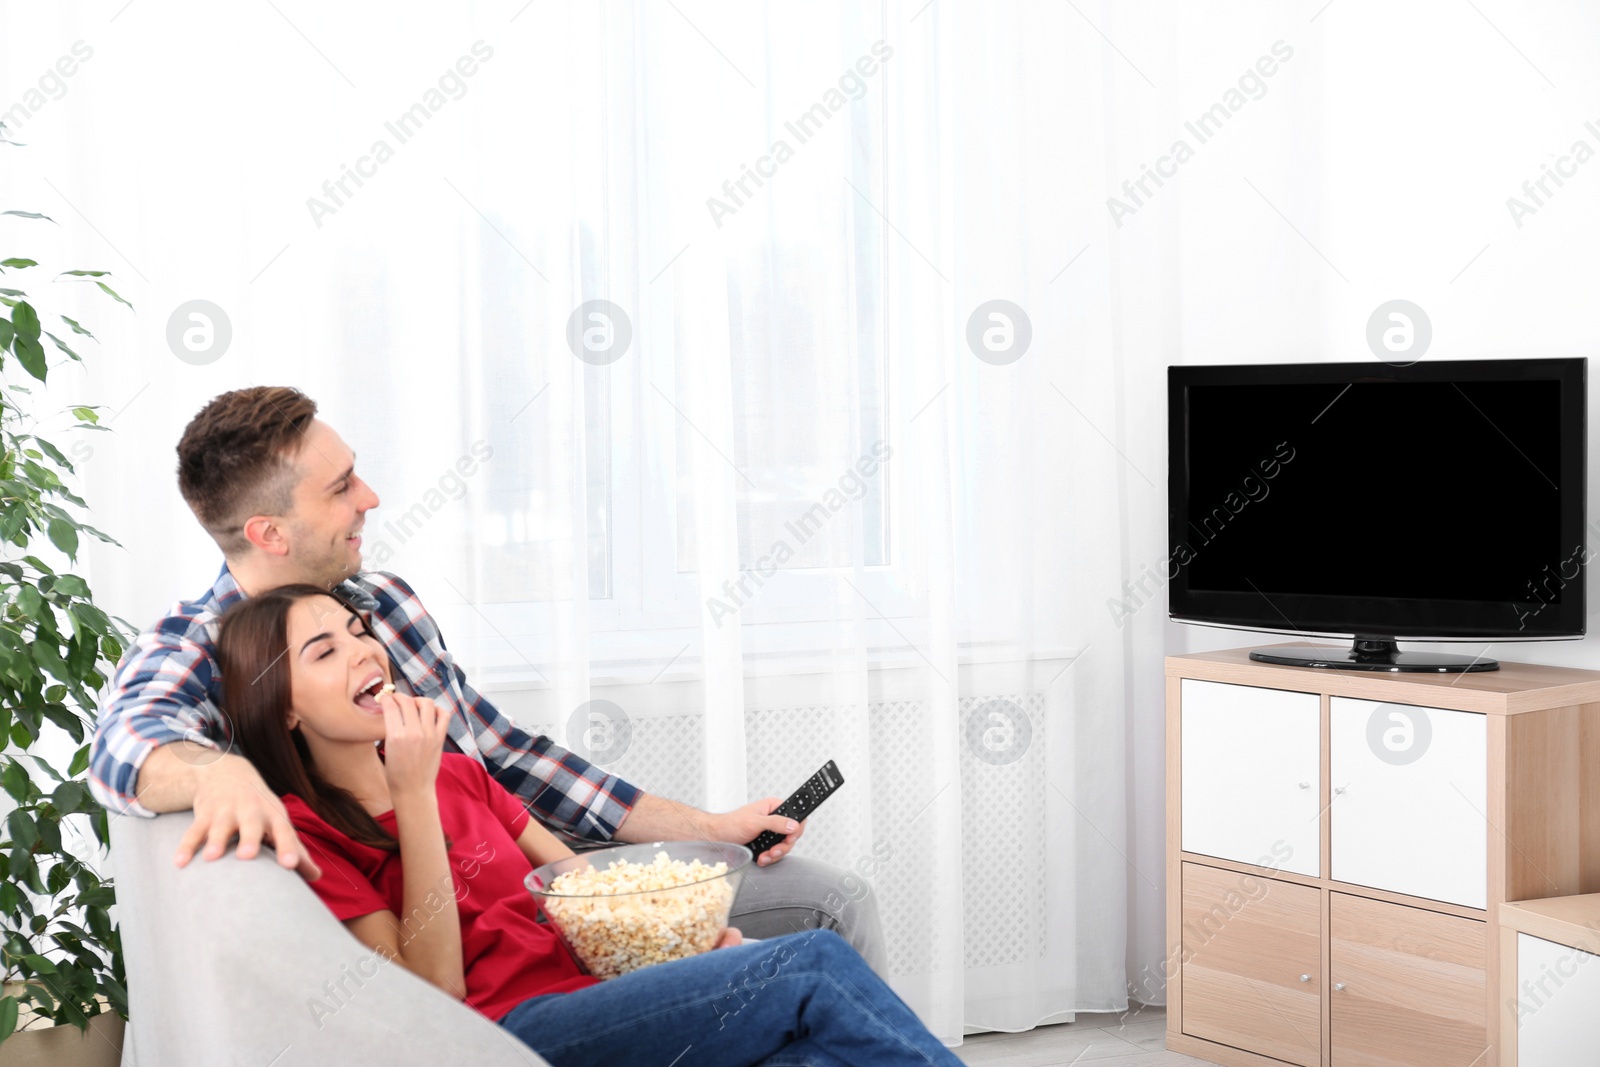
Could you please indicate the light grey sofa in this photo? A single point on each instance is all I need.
(238, 961)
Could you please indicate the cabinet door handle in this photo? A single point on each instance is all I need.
(1338, 789)
(1305, 978)
(1338, 985)
(1305, 785)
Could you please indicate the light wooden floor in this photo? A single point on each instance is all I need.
(1137, 1039)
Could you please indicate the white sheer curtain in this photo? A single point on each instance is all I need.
(798, 517)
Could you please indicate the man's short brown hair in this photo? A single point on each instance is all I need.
(236, 459)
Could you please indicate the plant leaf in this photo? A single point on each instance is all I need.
(76, 328)
(101, 894)
(70, 797)
(30, 602)
(53, 452)
(25, 320)
(48, 656)
(15, 780)
(28, 215)
(59, 343)
(84, 274)
(23, 831)
(41, 764)
(62, 716)
(72, 585)
(18, 262)
(112, 293)
(107, 538)
(30, 355)
(39, 964)
(64, 536)
(8, 1016)
(50, 832)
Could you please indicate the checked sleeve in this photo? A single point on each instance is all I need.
(565, 791)
(161, 692)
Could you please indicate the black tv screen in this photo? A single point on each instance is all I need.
(1442, 500)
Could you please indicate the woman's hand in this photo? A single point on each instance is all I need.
(731, 938)
(415, 729)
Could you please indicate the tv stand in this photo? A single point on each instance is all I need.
(1340, 845)
(1374, 654)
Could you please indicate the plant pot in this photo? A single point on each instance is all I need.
(66, 1046)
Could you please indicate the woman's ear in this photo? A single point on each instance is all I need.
(293, 722)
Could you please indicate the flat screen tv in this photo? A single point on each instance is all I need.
(1441, 501)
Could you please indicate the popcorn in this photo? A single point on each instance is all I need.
(630, 915)
(388, 687)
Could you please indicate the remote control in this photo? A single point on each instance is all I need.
(801, 803)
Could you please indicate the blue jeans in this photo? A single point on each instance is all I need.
(803, 999)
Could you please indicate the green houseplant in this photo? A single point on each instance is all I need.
(60, 954)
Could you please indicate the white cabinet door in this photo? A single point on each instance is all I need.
(1409, 812)
(1558, 1004)
(1249, 777)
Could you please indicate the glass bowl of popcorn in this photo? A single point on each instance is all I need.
(619, 909)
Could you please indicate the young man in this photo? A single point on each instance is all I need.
(276, 488)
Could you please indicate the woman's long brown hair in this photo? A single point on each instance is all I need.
(252, 649)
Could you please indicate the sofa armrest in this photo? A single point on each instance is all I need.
(238, 961)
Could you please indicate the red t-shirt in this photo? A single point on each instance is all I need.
(506, 954)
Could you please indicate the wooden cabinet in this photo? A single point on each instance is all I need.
(1408, 800)
(1550, 975)
(1252, 774)
(1337, 843)
(1252, 940)
(1560, 1021)
(1408, 987)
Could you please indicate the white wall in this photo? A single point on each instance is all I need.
(1391, 141)
(1394, 150)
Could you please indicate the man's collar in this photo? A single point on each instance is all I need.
(225, 592)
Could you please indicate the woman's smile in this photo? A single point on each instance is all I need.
(366, 695)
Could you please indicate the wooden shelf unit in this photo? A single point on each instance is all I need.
(1272, 959)
(1551, 981)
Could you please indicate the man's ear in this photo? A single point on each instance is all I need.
(266, 533)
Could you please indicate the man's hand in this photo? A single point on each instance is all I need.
(731, 938)
(746, 824)
(655, 818)
(230, 798)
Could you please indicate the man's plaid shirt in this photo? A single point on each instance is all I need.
(168, 688)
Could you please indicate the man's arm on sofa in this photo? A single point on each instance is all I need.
(154, 751)
(229, 798)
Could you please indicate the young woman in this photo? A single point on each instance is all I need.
(423, 857)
